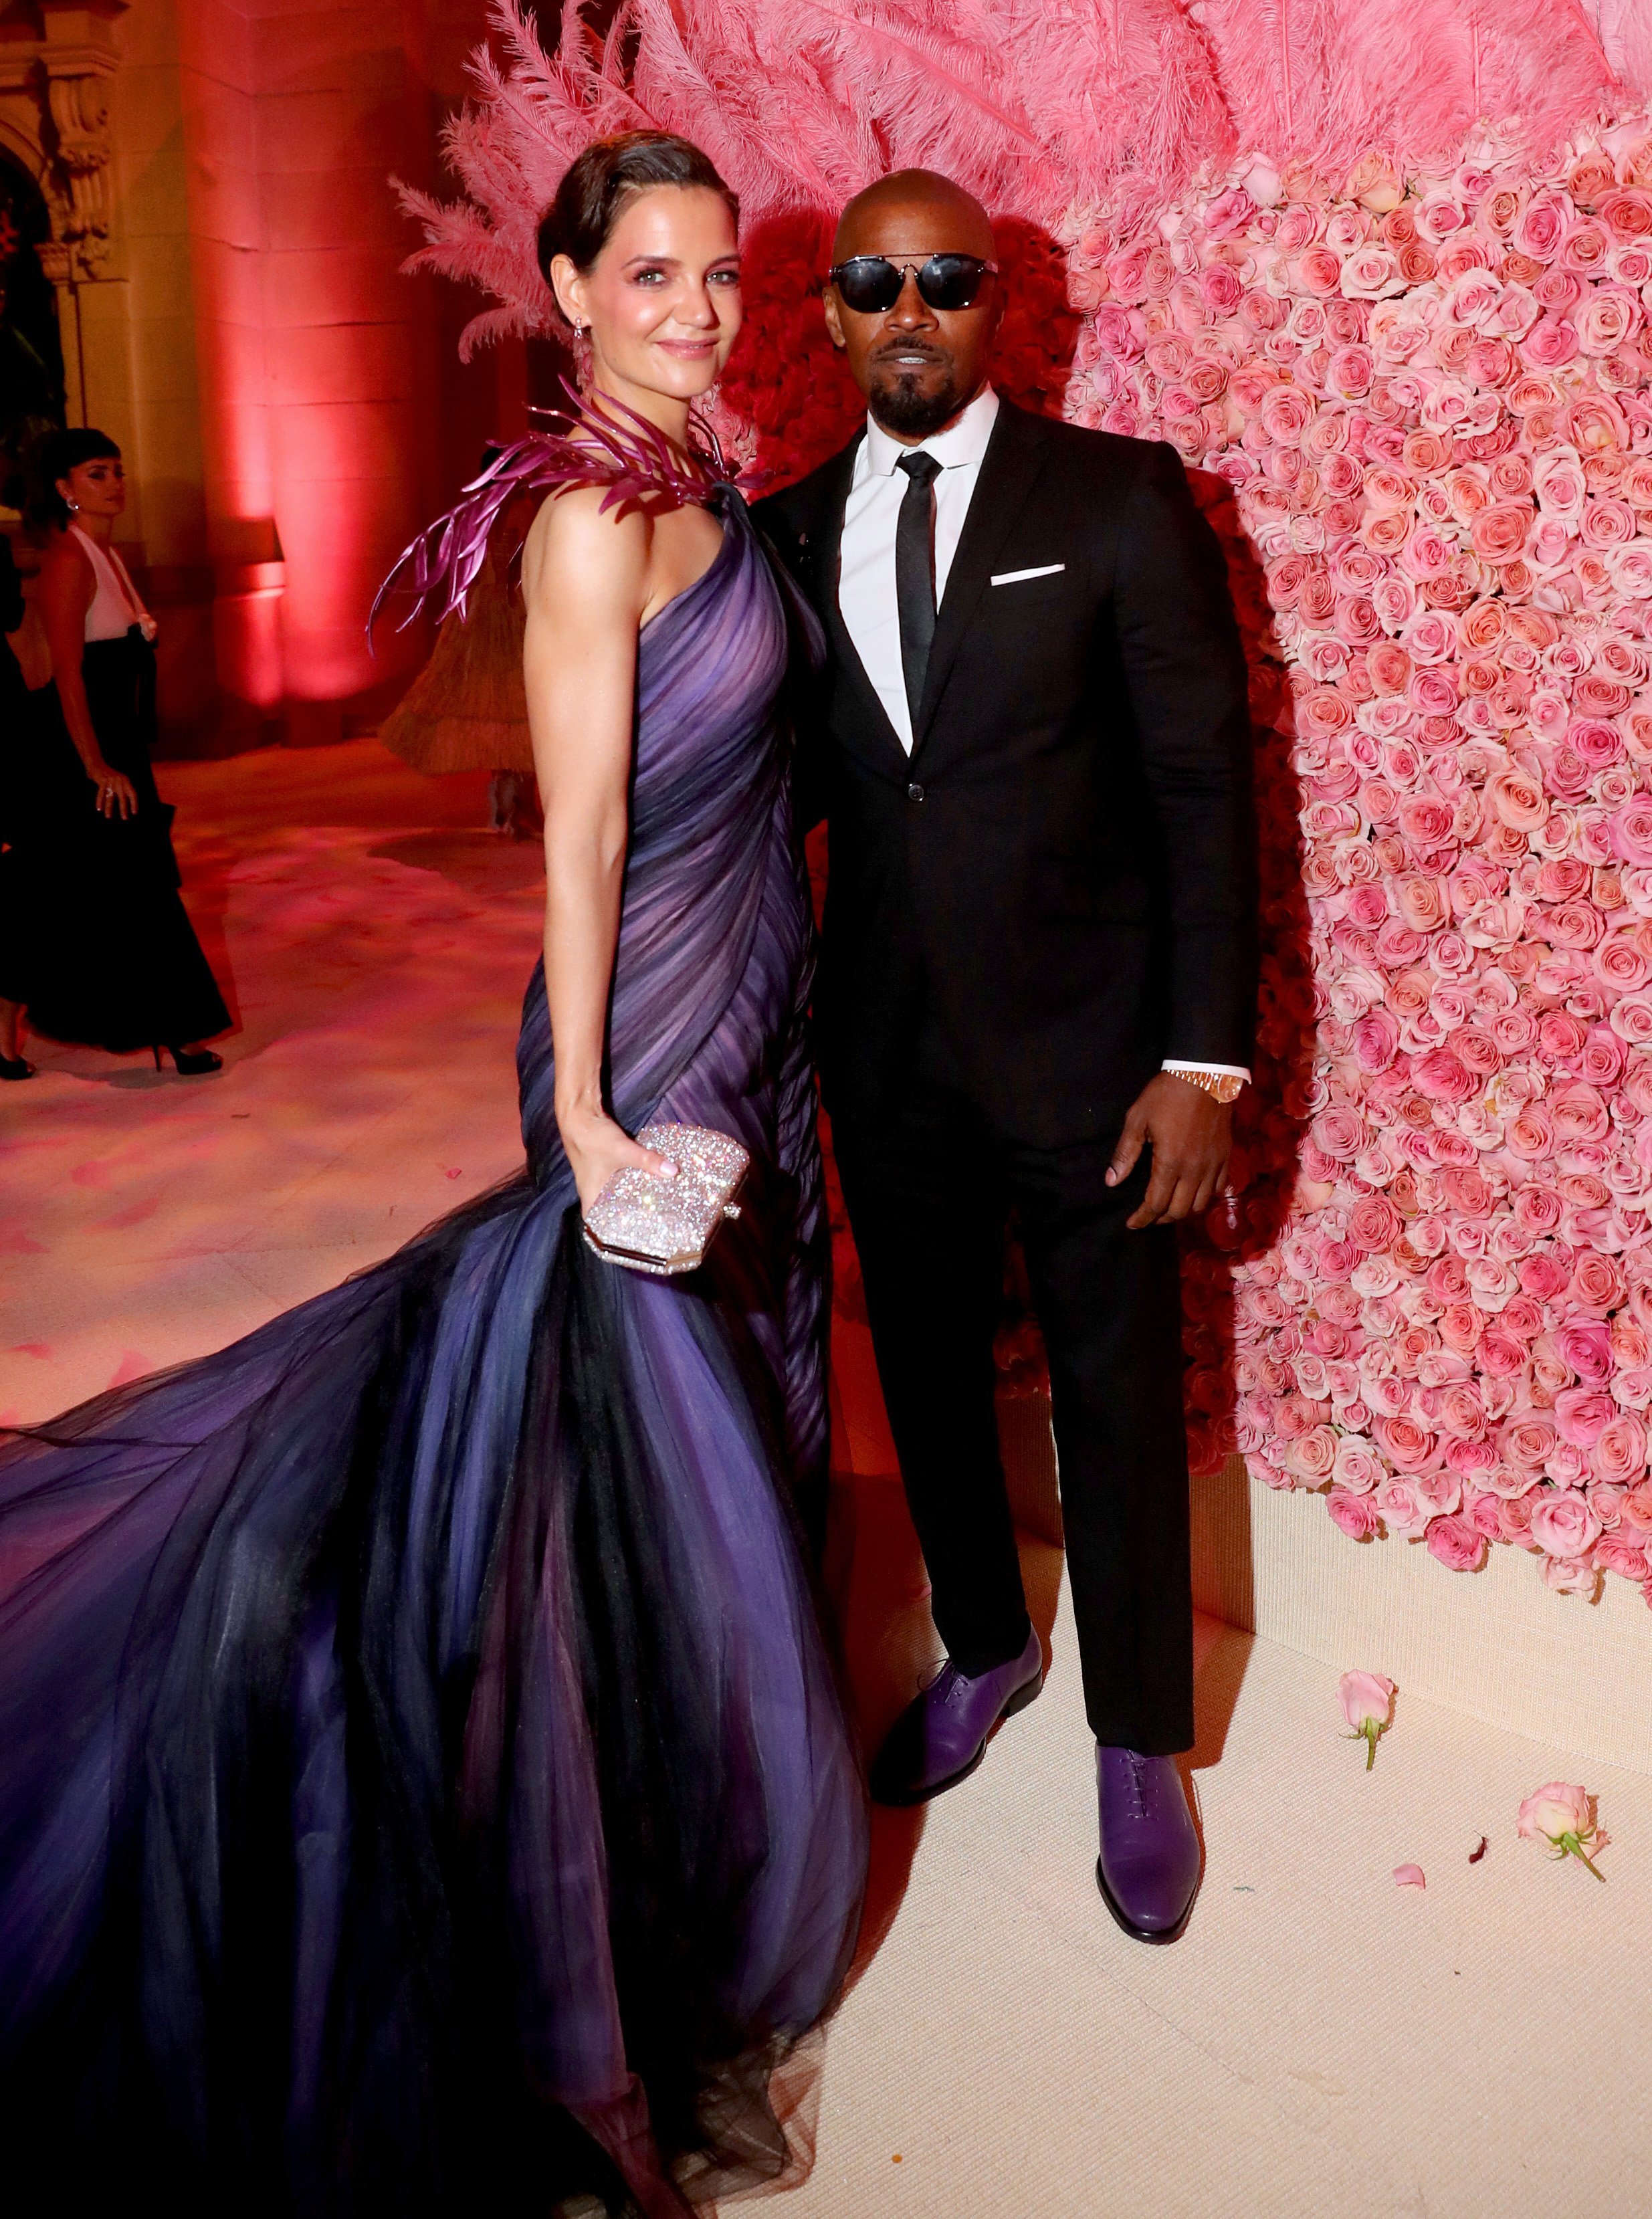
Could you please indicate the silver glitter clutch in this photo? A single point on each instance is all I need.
(665, 1226)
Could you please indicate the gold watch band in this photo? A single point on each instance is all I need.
(1226, 1086)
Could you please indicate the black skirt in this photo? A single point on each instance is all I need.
(94, 936)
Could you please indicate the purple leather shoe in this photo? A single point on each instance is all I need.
(941, 1737)
(1148, 1869)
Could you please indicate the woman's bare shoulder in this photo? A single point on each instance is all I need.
(65, 567)
(584, 549)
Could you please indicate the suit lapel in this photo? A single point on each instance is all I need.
(835, 493)
(1010, 468)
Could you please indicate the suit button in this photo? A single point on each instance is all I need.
(915, 791)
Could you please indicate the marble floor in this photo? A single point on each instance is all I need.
(1321, 2042)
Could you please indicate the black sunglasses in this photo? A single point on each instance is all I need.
(870, 283)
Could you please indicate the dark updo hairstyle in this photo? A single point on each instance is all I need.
(58, 453)
(596, 185)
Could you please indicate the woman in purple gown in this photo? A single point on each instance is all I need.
(423, 1781)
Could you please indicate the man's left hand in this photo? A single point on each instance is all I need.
(1191, 1135)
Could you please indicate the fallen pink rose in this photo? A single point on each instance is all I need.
(1409, 1876)
(1367, 1699)
(1563, 1815)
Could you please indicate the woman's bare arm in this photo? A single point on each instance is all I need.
(65, 591)
(585, 579)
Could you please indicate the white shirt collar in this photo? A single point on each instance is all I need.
(962, 443)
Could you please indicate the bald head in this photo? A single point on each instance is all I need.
(919, 366)
(913, 210)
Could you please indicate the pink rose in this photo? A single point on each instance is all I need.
(1608, 523)
(1367, 1698)
(1551, 344)
(1542, 1276)
(1439, 1077)
(1578, 1114)
(1626, 212)
(1396, 1504)
(1286, 414)
(1563, 1524)
(1462, 1413)
(1623, 1561)
(1407, 1446)
(1587, 1349)
(1311, 1454)
(1358, 1469)
(1610, 315)
(1582, 1414)
(1631, 1019)
(1621, 1449)
(1597, 1285)
(1425, 554)
(1500, 1355)
(1370, 272)
(1528, 1443)
(1374, 1223)
(1423, 903)
(1356, 1514)
(1519, 800)
(1455, 1543)
(1349, 372)
(1563, 1816)
(1229, 213)
(1119, 331)
(1498, 532)
(1538, 232)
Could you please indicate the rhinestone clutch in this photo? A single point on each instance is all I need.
(665, 1226)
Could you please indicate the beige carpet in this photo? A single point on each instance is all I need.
(1320, 2044)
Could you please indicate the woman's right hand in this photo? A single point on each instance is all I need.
(117, 794)
(597, 1148)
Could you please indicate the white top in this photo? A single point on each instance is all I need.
(865, 580)
(116, 606)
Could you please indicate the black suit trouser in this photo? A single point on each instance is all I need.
(929, 1188)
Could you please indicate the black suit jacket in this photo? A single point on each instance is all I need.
(1063, 871)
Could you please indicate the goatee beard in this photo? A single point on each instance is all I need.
(900, 405)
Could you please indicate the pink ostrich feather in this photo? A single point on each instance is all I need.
(1323, 82)
(1043, 112)
(1625, 32)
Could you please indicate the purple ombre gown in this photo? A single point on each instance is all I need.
(423, 1782)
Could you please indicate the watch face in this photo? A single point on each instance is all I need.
(1229, 1088)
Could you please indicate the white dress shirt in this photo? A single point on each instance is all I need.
(865, 580)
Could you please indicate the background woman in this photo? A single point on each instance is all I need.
(17, 733)
(114, 961)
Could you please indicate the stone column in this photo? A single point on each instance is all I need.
(79, 60)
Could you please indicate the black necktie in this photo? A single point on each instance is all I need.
(914, 574)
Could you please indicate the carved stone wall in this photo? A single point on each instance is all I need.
(58, 62)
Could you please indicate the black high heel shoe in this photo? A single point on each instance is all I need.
(15, 1066)
(192, 1063)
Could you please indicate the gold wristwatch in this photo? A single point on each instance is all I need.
(1226, 1086)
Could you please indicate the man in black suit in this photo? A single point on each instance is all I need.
(1036, 987)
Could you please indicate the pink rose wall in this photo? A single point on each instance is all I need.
(1405, 351)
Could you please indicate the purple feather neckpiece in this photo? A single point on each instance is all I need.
(632, 461)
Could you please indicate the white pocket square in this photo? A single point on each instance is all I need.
(1015, 577)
